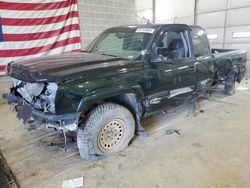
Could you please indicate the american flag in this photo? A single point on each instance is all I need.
(37, 28)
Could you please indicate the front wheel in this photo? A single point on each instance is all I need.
(108, 130)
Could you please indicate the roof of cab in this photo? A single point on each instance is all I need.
(155, 26)
(148, 25)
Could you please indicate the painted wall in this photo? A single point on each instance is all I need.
(225, 19)
(175, 11)
(144, 10)
(98, 15)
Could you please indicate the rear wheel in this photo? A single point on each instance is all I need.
(108, 130)
(230, 83)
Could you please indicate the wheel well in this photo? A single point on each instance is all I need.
(128, 100)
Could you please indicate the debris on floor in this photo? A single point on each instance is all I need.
(242, 88)
(73, 183)
(202, 111)
(172, 131)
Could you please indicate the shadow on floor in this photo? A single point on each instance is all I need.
(6, 177)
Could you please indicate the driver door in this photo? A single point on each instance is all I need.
(175, 70)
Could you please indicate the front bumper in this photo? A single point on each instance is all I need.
(31, 117)
(65, 121)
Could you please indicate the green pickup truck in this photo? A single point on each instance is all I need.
(127, 73)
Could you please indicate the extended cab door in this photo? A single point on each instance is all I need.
(174, 69)
(204, 59)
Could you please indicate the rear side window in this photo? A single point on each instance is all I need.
(200, 43)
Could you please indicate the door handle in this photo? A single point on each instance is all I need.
(192, 68)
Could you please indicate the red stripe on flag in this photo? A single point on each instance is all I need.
(36, 6)
(36, 50)
(38, 36)
(37, 21)
(77, 50)
(2, 68)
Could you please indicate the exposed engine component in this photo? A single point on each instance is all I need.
(49, 97)
(28, 90)
(40, 95)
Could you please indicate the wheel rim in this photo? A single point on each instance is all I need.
(111, 135)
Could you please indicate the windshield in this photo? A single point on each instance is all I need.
(127, 45)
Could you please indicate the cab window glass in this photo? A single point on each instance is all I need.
(173, 45)
(110, 42)
(127, 45)
(200, 44)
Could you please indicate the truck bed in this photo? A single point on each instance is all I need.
(225, 59)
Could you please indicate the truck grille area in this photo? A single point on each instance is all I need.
(39, 95)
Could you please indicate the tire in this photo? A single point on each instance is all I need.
(108, 130)
(230, 83)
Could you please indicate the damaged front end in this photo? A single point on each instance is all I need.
(35, 105)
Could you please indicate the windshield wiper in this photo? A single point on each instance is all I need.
(109, 55)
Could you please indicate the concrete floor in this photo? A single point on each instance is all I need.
(213, 151)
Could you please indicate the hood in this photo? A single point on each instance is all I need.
(58, 68)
